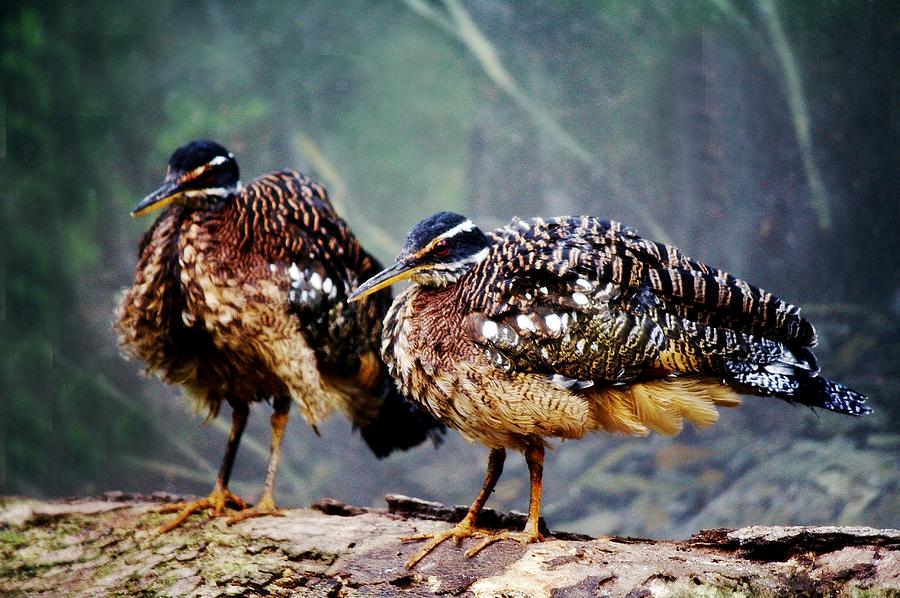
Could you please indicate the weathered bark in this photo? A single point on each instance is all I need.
(110, 545)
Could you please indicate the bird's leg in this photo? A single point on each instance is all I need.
(465, 528)
(534, 456)
(220, 496)
(266, 504)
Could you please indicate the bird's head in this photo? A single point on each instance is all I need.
(201, 175)
(436, 252)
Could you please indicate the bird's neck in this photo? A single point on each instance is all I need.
(421, 326)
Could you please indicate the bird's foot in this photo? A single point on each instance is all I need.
(216, 502)
(266, 507)
(527, 537)
(460, 531)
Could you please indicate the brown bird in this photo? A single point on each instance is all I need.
(240, 296)
(560, 327)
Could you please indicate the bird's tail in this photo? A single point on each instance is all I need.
(399, 424)
(831, 395)
(796, 383)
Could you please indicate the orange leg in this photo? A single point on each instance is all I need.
(465, 528)
(220, 496)
(534, 456)
(266, 504)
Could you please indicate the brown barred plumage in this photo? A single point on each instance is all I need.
(240, 296)
(559, 327)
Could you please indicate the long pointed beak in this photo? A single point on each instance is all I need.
(399, 271)
(160, 198)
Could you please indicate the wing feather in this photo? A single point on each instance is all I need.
(289, 220)
(291, 223)
(591, 300)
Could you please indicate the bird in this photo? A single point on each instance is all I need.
(239, 297)
(557, 327)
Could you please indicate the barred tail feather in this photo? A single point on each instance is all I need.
(831, 395)
(796, 385)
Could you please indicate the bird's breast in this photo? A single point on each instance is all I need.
(432, 354)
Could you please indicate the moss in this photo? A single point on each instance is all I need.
(12, 539)
(59, 526)
(154, 519)
(108, 568)
(140, 592)
(20, 571)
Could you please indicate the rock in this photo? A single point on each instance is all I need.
(109, 545)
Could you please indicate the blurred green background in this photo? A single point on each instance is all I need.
(761, 136)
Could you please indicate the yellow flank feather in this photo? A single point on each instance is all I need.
(662, 405)
(616, 412)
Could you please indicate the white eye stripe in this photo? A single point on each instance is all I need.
(462, 227)
(219, 160)
(480, 255)
(217, 191)
(477, 257)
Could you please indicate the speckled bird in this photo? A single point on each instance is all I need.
(240, 297)
(554, 328)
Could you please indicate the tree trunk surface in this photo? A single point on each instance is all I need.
(109, 545)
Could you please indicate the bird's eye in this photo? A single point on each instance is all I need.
(441, 248)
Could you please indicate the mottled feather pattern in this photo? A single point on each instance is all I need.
(590, 300)
(149, 323)
(561, 327)
(563, 248)
(248, 301)
(580, 313)
(571, 325)
(300, 233)
(433, 346)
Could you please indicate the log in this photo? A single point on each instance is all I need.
(109, 545)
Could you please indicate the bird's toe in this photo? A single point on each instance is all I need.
(260, 510)
(520, 537)
(459, 532)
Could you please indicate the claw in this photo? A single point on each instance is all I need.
(520, 537)
(215, 502)
(459, 532)
(266, 507)
(462, 531)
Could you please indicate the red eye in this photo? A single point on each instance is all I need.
(441, 248)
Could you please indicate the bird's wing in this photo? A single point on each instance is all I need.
(585, 300)
(294, 226)
(291, 222)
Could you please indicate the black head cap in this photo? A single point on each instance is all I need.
(443, 238)
(428, 228)
(221, 167)
(437, 251)
(202, 175)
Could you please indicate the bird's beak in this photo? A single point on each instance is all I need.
(399, 271)
(160, 198)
